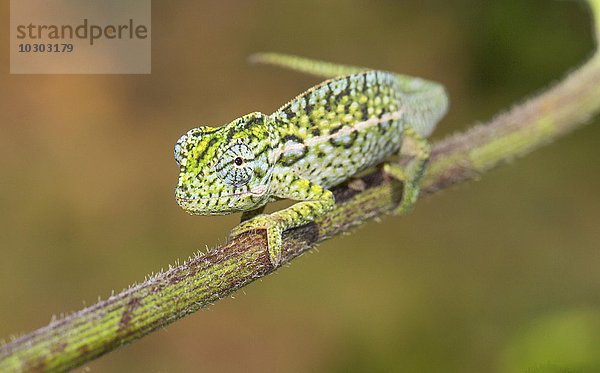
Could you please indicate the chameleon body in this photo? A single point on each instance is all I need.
(324, 136)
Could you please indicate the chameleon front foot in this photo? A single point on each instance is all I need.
(274, 233)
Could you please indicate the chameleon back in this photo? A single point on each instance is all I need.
(344, 126)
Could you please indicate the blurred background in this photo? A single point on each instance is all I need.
(500, 275)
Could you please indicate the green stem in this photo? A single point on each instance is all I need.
(534, 123)
(202, 280)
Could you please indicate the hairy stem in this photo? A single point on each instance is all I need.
(204, 279)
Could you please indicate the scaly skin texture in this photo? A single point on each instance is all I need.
(317, 140)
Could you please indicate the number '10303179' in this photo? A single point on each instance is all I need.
(46, 48)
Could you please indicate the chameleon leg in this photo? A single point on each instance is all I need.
(247, 215)
(314, 202)
(410, 175)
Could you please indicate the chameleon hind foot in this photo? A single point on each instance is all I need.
(410, 191)
(411, 175)
(274, 233)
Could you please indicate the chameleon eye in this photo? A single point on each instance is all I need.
(236, 166)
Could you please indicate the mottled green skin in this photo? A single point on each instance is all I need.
(317, 140)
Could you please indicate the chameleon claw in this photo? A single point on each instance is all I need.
(274, 233)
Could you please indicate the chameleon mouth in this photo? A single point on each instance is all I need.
(233, 195)
(258, 192)
(219, 205)
(180, 199)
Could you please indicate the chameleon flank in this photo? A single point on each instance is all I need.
(351, 122)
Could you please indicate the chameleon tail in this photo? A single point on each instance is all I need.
(426, 103)
(305, 65)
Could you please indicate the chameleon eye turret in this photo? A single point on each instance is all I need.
(236, 165)
(321, 138)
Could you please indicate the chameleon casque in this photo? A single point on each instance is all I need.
(324, 136)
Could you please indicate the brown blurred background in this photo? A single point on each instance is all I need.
(500, 275)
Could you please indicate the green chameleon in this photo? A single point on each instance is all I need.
(324, 136)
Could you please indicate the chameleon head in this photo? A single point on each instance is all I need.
(225, 169)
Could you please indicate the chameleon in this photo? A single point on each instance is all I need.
(352, 121)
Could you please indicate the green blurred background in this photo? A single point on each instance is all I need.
(500, 275)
